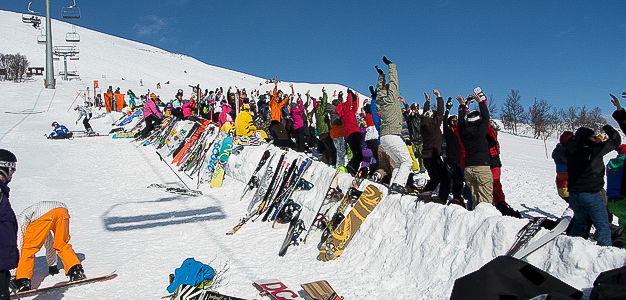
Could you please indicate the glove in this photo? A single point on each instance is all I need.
(386, 61)
(449, 104)
(379, 70)
(53, 270)
(372, 92)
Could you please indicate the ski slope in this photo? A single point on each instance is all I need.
(402, 251)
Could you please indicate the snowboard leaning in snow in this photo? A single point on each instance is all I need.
(275, 289)
(218, 173)
(66, 284)
(320, 290)
(296, 226)
(336, 243)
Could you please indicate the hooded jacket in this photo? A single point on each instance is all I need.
(413, 122)
(296, 114)
(585, 166)
(429, 127)
(322, 122)
(9, 254)
(473, 135)
(347, 112)
(453, 144)
(244, 125)
(225, 115)
(388, 104)
(151, 109)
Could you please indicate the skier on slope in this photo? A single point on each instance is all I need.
(45, 223)
(84, 112)
(60, 132)
(9, 255)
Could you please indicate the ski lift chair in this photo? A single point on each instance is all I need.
(71, 11)
(72, 37)
(41, 38)
(31, 17)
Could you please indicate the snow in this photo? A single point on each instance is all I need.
(401, 251)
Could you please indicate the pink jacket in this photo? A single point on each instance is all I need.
(225, 115)
(348, 115)
(296, 114)
(187, 107)
(150, 109)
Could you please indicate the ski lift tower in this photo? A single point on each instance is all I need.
(50, 84)
(66, 51)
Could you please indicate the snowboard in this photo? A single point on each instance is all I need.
(320, 290)
(65, 284)
(218, 173)
(124, 135)
(336, 243)
(275, 289)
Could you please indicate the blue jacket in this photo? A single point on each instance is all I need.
(614, 175)
(59, 129)
(9, 255)
(375, 116)
(561, 165)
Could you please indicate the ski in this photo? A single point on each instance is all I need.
(525, 234)
(177, 190)
(254, 181)
(554, 233)
(330, 194)
(296, 226)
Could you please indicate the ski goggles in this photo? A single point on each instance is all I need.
(9, 164)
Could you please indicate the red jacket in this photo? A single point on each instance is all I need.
(347, 112)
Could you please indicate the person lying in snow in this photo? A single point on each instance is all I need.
(60, 132)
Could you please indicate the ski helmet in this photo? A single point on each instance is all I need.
(473, 116)
(55, 124)
(8, 164)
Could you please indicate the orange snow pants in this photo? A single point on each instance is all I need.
(57, 221)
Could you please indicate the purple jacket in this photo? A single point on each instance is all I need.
(9, 255)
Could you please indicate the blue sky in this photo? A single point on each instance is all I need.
(567, 52)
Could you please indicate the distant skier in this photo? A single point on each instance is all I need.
(9, 255)
(45, 223)
(84, 112)
(60, 132)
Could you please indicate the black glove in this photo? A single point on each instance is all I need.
(449, 104)
(53, 270)
(372, 92)
(386, 61)
(379, 70)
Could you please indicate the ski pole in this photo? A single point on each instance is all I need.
(181, 180)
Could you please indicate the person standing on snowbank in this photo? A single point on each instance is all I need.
(586, 170)
(391, 126)
(9, 254)
(84, 112)
(45, 223)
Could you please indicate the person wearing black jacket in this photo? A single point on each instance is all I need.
(473, 134)
(453, 154)
(413, 120)
(586, 170)
(432, 150)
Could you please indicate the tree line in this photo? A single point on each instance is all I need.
(542, 117)
(13, 66)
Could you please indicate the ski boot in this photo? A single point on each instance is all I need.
(22, 284)
(397, 189)
(76, 273)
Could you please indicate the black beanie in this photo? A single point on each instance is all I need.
(584, 132)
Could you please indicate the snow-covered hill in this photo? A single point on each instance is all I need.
(402, 251)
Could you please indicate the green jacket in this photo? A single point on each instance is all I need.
(388, 104)
(321, 117)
